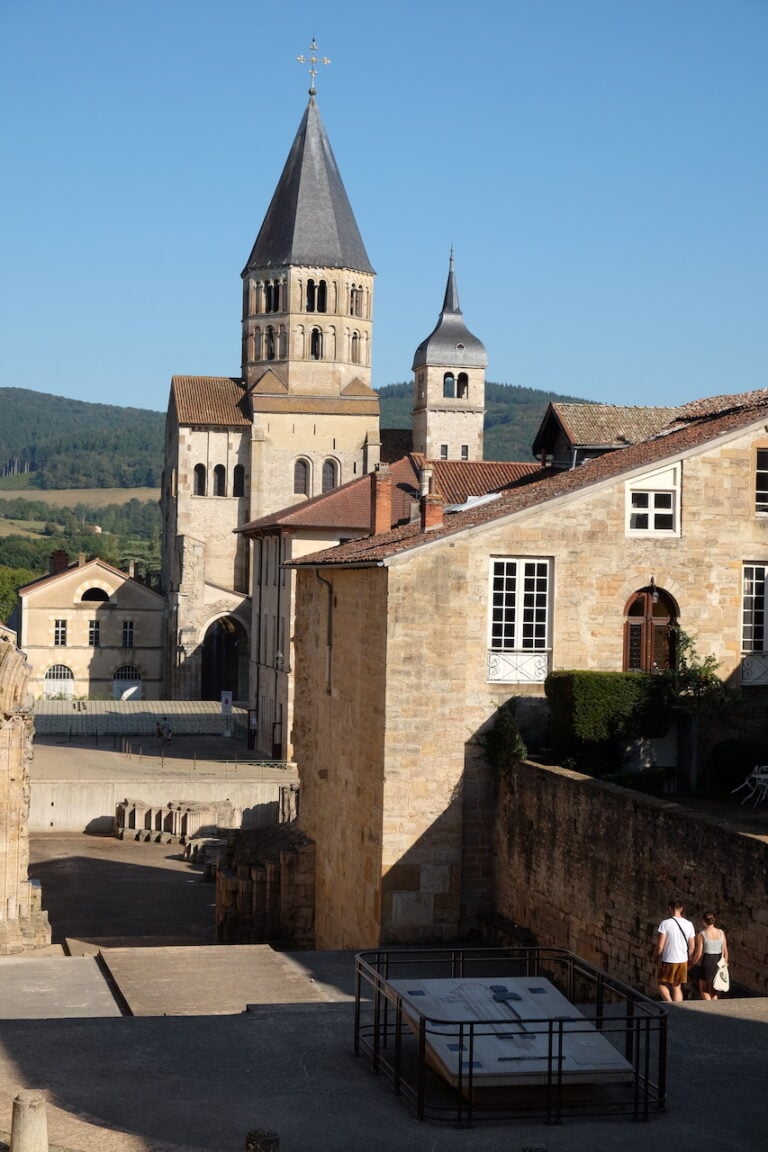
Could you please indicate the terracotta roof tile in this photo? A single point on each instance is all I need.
(210, 400)
(667, 444)
(610, 425)
(350, 505)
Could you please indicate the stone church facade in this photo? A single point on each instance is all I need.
(299, 421)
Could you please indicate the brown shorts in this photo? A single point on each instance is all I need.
(673, 973)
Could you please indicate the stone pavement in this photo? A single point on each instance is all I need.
(199, 1082)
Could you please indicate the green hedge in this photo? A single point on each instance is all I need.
(595, 714)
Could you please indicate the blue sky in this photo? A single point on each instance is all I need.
(600, 167)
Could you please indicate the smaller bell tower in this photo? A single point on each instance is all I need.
(449, 386)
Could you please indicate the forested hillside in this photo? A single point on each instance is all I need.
(53, 442)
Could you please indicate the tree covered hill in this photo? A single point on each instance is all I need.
(52, 442)
(62, 443)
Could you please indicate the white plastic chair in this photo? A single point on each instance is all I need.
(756, 783)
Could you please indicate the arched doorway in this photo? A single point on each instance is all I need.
(650, 631)
(225, 660)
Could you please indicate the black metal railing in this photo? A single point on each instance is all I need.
(401, 1042)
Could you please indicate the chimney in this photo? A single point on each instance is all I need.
(425, 481)
(381, 500)
(80, 559)
(431, 512)
(59, 561)
(132, 569)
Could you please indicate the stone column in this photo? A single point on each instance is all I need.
(29, 1126)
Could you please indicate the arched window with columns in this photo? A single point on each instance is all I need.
(301, 478)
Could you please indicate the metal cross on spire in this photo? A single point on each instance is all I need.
(313, 60)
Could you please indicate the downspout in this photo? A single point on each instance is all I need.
(329, 636)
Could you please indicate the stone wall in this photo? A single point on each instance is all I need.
(265, 889)
(590, 866)
(23, 924)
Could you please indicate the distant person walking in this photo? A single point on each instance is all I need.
(711, 948)
(675, 943)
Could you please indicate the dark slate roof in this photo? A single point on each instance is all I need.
(310, 220)
(451, 344)
(699, 424)
(219, 400)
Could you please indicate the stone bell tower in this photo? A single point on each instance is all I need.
(449, 386)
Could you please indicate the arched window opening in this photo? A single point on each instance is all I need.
(301, 478)
(126, 672)
(329, 480)
(219, 480)
(355, 348)
(311, 295)
(449, 385)
(463, 386)
(356, 300)
(282, 344)
(59, 672)
(322, 296)
(199, 489)
(269, 341)
(650, 631)
(95, 594)
(238, 480)
(316, 344)
(257, 343)
(268, 297)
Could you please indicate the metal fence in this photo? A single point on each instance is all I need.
(404, 1043)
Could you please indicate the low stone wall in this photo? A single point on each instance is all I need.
(90, 805)
(265, 888)
(590, 866)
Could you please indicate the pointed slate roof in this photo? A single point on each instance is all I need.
(310, 220)
(451, 343)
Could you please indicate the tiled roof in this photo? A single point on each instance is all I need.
(210, 400)
(457, 480)
(350, 505)
(729, 415)
(610, 425)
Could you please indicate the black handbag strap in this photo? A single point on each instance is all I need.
(681, 930)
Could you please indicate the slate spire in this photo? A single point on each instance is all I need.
(450, 342)
(310, 220)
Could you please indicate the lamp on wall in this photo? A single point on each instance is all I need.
(654, 591)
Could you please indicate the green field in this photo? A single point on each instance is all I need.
(94, 497)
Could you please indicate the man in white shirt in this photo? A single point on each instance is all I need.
(676, 942)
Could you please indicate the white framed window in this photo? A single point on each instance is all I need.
(653, 503)
(128, 631)
(753, 637)
(754, 641)
(761, 480)
(519, 624)
(60, 633)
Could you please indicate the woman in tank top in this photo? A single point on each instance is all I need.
(711, 945)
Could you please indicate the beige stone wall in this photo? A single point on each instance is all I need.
(558, 873)
(293, 363)
(23, 924)
(61, 598)
(389, 758)
(339, 748)
(439, 420)
(272, 630)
